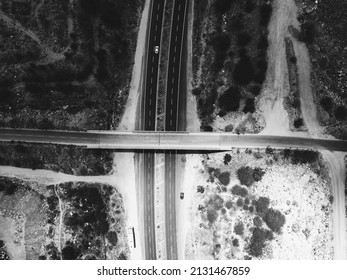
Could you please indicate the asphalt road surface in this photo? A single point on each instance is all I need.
(151, 81)
(201, 141)
(174, 65)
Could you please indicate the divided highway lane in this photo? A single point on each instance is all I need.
(174, 67)
(151, 80)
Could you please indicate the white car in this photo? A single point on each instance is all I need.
(156, 49)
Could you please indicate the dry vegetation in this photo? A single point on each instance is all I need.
(260, 204)
(66, 64)
(323, 29)
(230, 63)
(66, 221)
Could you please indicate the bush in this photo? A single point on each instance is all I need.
(303, 156)
(230, 99)
(265, 14)
(298, 123)
(239, 202)
(11, 189)
(223, 6)
(216, 202)
(307, 32)
(224, 178)
(255, 90)
(227, 159)
(245, 175)
(112, 237)
(238, 190)
(236, 242)
(341, 113)
(327, 104)
(69, 253)
(293, 59)
(243, 39)
(258, 174)
(247, 200)
(262, 205)
(212, 215)
(249, 6)
(249, 107)
(239, 228)
(229, 204)
(244, 71)
(229, 128)
(200, 189)
(196, 91)
(274, 220)
(258, 241)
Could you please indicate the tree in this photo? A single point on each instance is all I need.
(229, 204)
(258, 241)
(249, 106)
(239, 202)
(239, 228)
(265, 14)
(200, 189)
(262, 205)
(216, 202)
(69, 253)
(227, 159)
(236, 242)
(238, 190)
(341, 113)
(243, 38)
(263, 43)
(230, 99)
(223, 6)
(224, 178)
(245, 175)
(257, 221)
(244, 71)
(298, 123)
(327, 104)
(258, 174)
(112, 237)
(274, 220)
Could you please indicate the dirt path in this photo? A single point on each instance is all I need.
(276, 84)
(129, 117)
(337, 168)
(16, 25)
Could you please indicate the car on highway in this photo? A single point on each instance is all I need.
(181, 195)
(156, 49)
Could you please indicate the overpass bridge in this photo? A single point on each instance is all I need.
(184, 141)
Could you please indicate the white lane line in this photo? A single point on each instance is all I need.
(150, 92)
(149, 122)
(178, 17)
(175, 49)
(172, 91)
(173, 70)
(179, 7)
(153, 59)
(155, 37)
(171, 112)
(152, 70)
(174, 59)
(176, 39)
(150, 112)
(177, 28)
(157, 17)
(156, 28)
(173, 80)
(158, 6)
(151, 80)
(170, 122)
(150, 102)
(171, 101)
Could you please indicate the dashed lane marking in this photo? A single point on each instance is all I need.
(174, 59)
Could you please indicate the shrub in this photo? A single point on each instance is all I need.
(274, 220)
(326, 103)
(196, 91)
(212, 215)
(307, 32)
(229, 128)
(249, 107)
(223, 6)
(200, 189)
(293, 59)
(230, 99)
(229, 204)
(262, 205)
(224, 211)
(236, 242)
(303, 156)
(258, 241)
(255, 90)
(224, 178)
(239, 202)
(298, 123)
(239, 228)
(238, 190)
(249, 6)
(243, 38)
(2, 186)
(69, 253)
(244, 71)
(112, 237)
(245, 175)
(227, 159)
(11, 189)
(251, 208)
(247, 200)
(265, 14)
(258, 174)
(245, 207)
(216, 202)
(341, 113)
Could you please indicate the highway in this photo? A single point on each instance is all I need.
(200, 141)
(148, 123)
